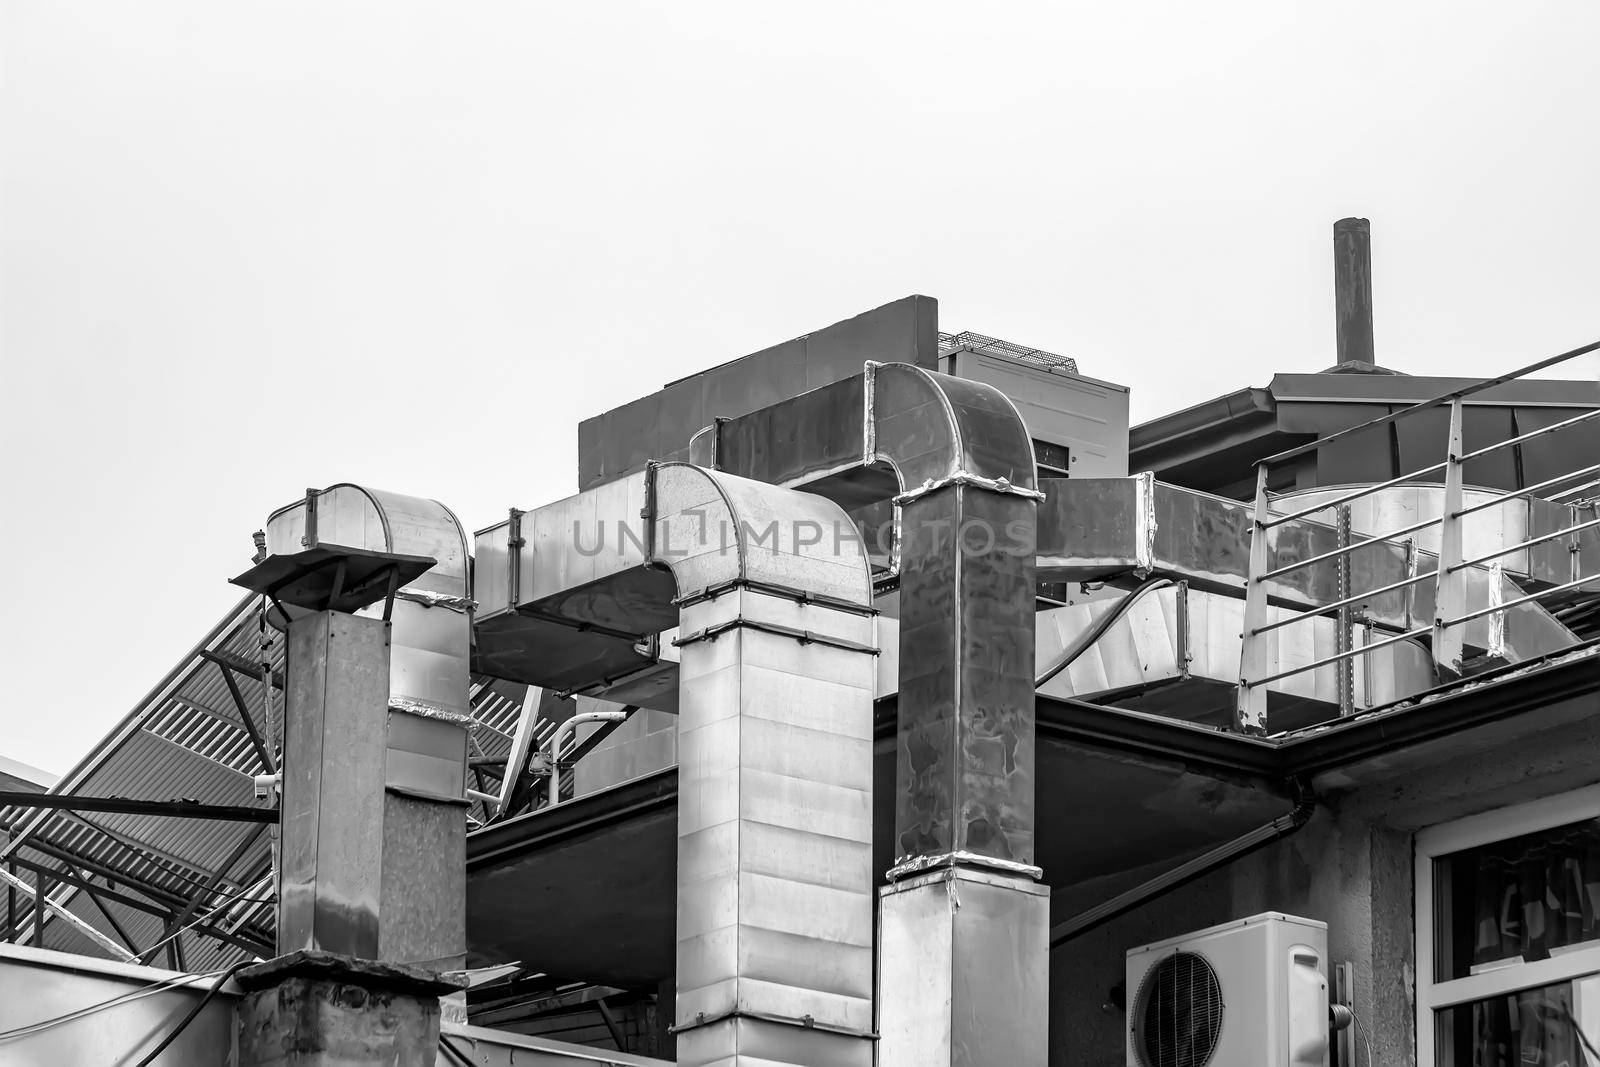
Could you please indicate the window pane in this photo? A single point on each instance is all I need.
(1536, 1026)
(1519, 900)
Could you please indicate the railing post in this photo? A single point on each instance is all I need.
(1450, 599)
(1257, 652)
(1344, 622)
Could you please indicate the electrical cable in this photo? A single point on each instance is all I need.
(1361, 1031)
(199, 1006)
(29, 1029)
(241, 898)
(1097, 629)
(456, 1056)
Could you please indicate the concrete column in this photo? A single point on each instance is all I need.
(318, 1009)
(774, 833)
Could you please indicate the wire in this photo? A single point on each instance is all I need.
(1361, 1031)
(241, 898)
(199, 1006)
(1096, 629)
(456, 1056)
(152, 989)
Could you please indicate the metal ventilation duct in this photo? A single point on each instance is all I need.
(386, 880)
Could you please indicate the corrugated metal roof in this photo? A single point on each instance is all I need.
(185, 739)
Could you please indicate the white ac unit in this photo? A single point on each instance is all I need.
(1249, 993)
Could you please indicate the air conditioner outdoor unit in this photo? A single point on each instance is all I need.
(1249, 993)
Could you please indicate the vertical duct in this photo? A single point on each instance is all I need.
(964, 788)
(374, 828)
(774, 772)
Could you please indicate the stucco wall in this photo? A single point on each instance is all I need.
(1350, 867)
(1349, 873)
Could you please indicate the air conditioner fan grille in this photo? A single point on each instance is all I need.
(1178, 1013)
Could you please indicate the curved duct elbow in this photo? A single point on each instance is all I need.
(432, 616)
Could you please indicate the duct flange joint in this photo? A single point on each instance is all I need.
(803, 1022)
(805, 637)
(922, 864)
(961, 477)
(799, 596)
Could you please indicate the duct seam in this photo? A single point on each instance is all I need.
(423, 710)
(430, 599)
(1497, 620)
(1144, 545)
(961, 858)
(961, 477)
(869, 419)
(800, 596)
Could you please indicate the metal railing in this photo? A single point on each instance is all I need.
(1259, 665)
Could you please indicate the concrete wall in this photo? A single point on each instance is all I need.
(1349, 873)
(1350, 867)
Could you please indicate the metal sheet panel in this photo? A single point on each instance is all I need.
(333, 798)
(965, 973)
(36, 985)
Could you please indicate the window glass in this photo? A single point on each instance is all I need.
(1534, 1026)
(1517, 901)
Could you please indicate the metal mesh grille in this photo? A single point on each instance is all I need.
(1178, 1014)
(1033, 357)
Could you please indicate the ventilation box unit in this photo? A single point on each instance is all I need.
(1250, 993)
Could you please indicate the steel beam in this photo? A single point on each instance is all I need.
(183, 809)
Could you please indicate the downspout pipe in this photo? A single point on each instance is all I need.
(1225, 853)
(564, 731)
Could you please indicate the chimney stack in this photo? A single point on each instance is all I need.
(1352, 294)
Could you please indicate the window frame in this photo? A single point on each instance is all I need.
(1473, 831)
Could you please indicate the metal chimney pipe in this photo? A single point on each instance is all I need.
(1352, 290)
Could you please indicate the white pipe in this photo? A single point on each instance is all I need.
(559, 740)
(43, 901)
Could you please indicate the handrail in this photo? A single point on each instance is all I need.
(1531, 434)
(1337, 656)
(1357, 495)
(1535, 487)
(1492, 608)
(1519, 546)
(1349, 601)
(1443, 398)
(1290, 568)
(1449, 601)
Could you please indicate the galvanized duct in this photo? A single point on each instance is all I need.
(956, 459)
(393, 890)
(770, 591)
(1096, 528)
(963, 958)
(774, 772)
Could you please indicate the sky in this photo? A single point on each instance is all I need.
(250, 248)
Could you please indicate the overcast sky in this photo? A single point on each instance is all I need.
(254, 248)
